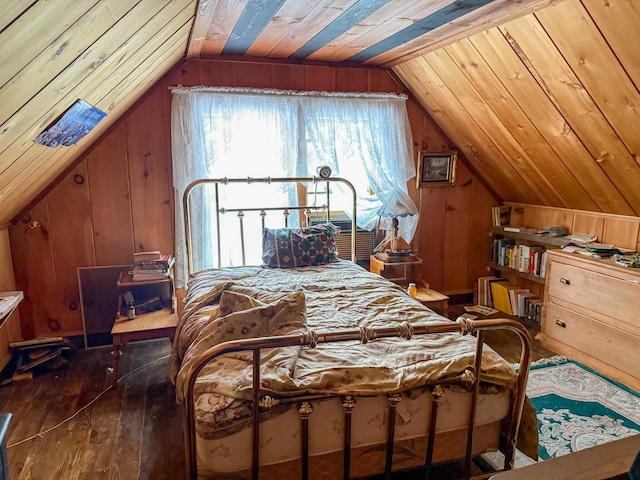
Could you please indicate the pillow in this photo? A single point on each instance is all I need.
(231, 302)
(299, 247)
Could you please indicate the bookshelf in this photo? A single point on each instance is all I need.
(532, 268)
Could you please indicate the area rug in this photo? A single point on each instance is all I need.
(577, 408)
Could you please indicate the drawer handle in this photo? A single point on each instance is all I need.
(566, 281)
(561, 323)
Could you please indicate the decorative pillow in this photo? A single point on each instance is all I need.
(299, 247)
(231, 302)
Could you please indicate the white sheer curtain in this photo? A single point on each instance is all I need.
(237, 132)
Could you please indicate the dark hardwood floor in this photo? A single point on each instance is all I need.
(131, 432)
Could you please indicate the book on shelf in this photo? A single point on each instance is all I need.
(522, 300)
(513, 298)
(501, 216)
(166, 261)
(501, 297)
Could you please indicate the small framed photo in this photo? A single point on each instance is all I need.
(436, 169)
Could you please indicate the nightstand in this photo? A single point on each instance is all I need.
(155, 324)
(403, 272)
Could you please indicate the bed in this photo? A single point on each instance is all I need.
(348, 375)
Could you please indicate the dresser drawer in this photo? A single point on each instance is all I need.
(614, 296)
(608, 344)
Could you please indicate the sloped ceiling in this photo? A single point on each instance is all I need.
(542, 105)
(545, 107)
(52, 53)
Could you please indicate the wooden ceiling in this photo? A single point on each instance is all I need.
(52, 53)
(545, 107)
(377, 32)
(539, 95)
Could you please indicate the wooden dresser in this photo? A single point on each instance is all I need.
(592, 314)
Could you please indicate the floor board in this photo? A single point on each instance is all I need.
(131, 432)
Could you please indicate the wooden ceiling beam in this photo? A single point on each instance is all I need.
(201, 25)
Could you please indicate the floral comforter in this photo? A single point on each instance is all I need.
(229, 304)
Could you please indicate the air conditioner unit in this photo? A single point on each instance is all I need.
(364, 238)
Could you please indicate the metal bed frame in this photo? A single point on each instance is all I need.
(470, 379)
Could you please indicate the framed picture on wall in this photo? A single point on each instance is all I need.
(436, 169)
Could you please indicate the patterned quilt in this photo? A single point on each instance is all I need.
(243, 302)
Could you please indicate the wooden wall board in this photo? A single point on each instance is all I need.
(257, 75)
(621, 233)
(432, 220)
(480, 75)
(39, 281)
(457, 223)
(352, 80)
(7, 279)
(490, 15)
(287, 77)
(149, 177)
(559, 217)
(526, 91)
(541, 56)
(71, 233)
(108, 174)
(588, 54)
(621, 230)
(317, 78)
(479, 239)
(588, 224)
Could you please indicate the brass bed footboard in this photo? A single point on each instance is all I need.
(310, 338)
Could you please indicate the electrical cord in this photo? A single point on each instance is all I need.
(40, 434)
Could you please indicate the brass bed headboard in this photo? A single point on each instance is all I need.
(220, 210)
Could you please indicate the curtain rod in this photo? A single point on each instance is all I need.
(276, 92)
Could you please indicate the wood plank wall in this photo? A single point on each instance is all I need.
(9, 327)
(118, 199)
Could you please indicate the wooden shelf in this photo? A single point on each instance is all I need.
(528, 276)
(532, 237)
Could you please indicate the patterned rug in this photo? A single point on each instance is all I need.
(578, 408)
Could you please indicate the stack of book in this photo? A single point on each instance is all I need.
(151, 266)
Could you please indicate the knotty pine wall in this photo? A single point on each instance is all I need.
(118, 199)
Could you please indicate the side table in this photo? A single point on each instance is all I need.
(145, 326)
(404, 272)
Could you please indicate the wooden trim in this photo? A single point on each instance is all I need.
(614, 216)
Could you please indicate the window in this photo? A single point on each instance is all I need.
(224, 132)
